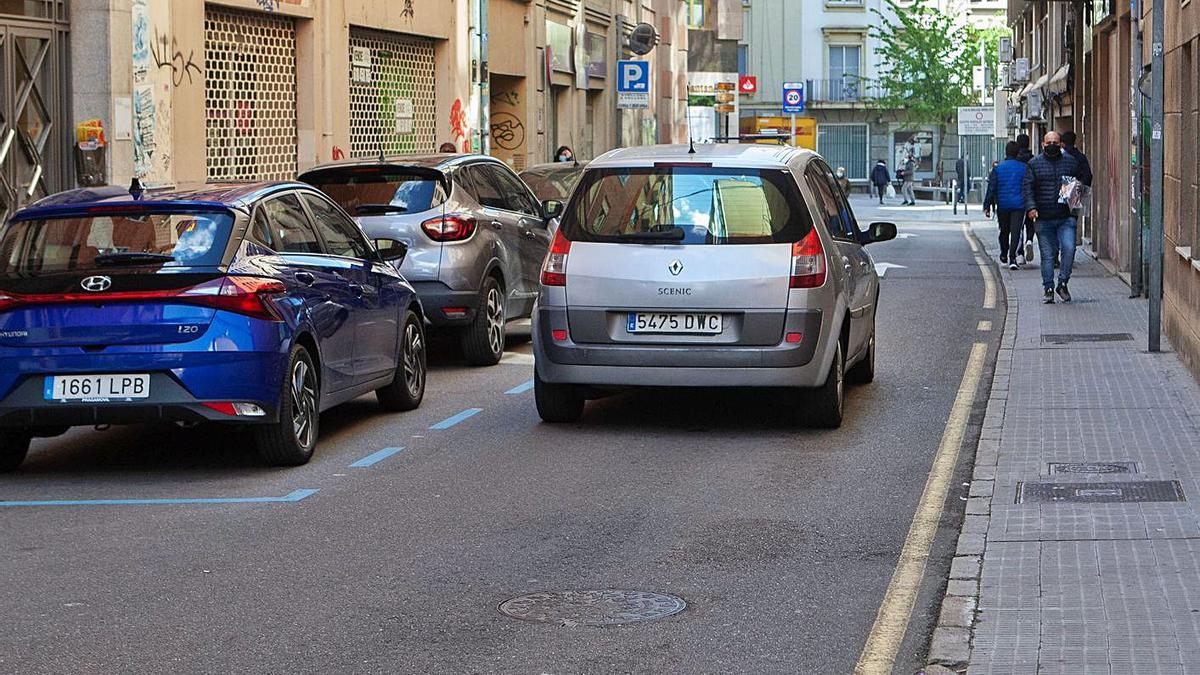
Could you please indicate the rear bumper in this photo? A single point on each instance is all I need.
(780, 365)
(436, 297)
(169, 401)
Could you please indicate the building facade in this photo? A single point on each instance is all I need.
(1089, 62)
(193, 90)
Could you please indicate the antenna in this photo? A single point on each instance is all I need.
(382, 157)
(691, 138)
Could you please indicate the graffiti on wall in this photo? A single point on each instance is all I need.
(460, 126)
(167, 54)
(408, 12)
(508, 132)
(152, 83)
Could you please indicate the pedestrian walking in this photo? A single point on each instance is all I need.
(962, 170)
(842, 180)
(880, 178)
(447, 147)
(1043, 185)
(907, 176)
(1085, 167)
(1024, 155)
(1005, 193)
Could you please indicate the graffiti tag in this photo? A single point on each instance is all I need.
(508, 132)
(407, 12)
(509, 98)
(460, 127)
(167, 54)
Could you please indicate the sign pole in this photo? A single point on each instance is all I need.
(793, 130)
(1156, 177)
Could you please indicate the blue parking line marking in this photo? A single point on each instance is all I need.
(521, 388)
(294, 496)
(375, 457)
(451, 421)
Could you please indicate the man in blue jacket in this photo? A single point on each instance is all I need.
(1005, 191)
(1055, 222)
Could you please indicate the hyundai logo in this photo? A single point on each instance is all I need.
(675, 268)
(96, 284)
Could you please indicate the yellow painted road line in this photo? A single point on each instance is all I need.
(985, 268)
(985, 325)
(883, 643)
(970, 240)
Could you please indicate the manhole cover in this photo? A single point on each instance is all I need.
(1123, 492)
(592, 608)
(1066, 338)
(1092, 467)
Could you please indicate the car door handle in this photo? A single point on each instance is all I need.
(497, 225)
(306, 278)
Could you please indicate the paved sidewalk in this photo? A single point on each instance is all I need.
(1068, 587)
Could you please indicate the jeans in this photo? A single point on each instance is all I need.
(906, 190)
(1011, 229)
(1054, 237)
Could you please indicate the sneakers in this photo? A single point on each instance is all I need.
(1029, 250)
(1014, 266)
(1003, 260)
(1064, 293)
(1020, 259)
(1048, 296)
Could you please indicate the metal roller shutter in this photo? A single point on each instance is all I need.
(392, 102)
(250, 95)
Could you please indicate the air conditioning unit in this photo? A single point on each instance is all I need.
(1006, 50)
(1033, 105)
(1020, 71)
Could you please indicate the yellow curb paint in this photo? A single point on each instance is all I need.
(883, 642)
(985, 268)
(970, 240)
(985, 325)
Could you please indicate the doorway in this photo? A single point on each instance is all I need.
(31, 153)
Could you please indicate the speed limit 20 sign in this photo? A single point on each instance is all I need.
(793, 98)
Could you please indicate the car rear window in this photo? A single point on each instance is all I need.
(99, 241)
(407, 190)
(711, 205)
(552, 183)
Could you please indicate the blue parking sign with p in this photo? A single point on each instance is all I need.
(793, 98)
(633, 77)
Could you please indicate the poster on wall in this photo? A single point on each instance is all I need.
(918, 143)
(152, 84)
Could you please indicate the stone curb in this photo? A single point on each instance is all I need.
(950, 646)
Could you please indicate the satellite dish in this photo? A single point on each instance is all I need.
(642, 39)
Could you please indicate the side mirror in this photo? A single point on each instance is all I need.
(391, 250)
(881, 232)
(551, 209)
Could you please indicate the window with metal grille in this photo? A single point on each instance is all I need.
(393, 108)
(845, 145)
(250, 95)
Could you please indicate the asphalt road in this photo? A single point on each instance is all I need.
(781, 539)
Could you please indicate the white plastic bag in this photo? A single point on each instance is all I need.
(891, 191)
(1072, 192)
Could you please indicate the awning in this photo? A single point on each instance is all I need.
(1059, 82)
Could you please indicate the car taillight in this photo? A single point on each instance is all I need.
(453, 227)
(243, 295)
(554, 269)
(808, 262)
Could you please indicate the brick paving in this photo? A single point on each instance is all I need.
(1083, 587)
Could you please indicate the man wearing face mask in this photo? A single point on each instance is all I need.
(564, 154)
(1054, 220)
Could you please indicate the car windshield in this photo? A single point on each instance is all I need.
(554, 183)
(710, 205)
(363, 190)
(97, 240)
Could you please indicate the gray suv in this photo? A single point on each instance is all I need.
(476, 237)
(726, 266)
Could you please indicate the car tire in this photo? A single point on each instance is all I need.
(13, 448)
(291, 440)
(483, 340)
(828, 401)
(557, 403)
(407, 387)
(863, 372)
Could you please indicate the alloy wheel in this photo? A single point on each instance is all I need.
(495, 320)
(304, 403)
(414, 364)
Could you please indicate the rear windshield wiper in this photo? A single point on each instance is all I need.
(673, 234)
(133, 258)
(378, 209)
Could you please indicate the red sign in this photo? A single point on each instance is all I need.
(748, 84)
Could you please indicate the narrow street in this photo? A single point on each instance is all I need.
(781, 539)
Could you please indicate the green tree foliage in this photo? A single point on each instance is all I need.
(925, 62)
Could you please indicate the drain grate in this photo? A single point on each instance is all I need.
(1092, 467)
(1123, 492)
(592, 608)
(1068, 338)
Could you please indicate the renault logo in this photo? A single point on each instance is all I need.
(96, 284)
(675, 268)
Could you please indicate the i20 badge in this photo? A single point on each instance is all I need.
(96, 284)
(675, 268)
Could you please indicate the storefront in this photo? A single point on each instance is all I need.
(393, 97)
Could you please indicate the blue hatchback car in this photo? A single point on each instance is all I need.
(260, 305)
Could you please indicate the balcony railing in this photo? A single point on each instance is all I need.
(841, 90)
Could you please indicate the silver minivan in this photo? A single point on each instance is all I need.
(476, 237)
(722, 266)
